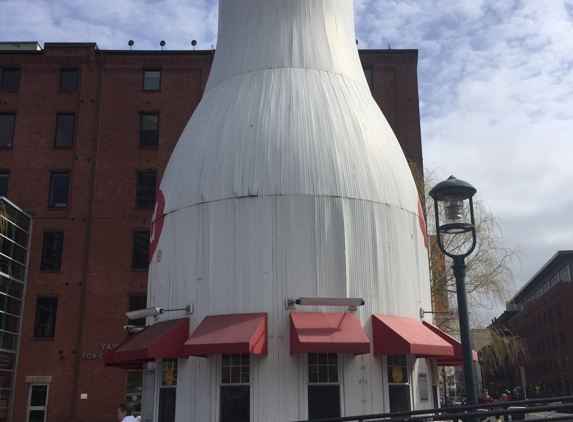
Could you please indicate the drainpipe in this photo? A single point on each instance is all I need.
(81, 318)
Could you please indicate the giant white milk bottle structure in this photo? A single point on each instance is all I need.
(287, 182)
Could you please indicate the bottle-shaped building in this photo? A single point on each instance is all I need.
(288, 244)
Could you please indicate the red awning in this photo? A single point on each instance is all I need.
(110, 359)
(161, 340)
(327, 333)
(233, 333)
(455, 360)
(395, 335)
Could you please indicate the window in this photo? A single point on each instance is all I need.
(398, 383)
(133, 389)
(558, 310)
(368, 74)
(135, 303)
(46, 309)
(564, 274)
(145, 191)
(167, 390)
(10, 80)
(7, 122)
(52, 250)
(149, 130)
(37, 403)
(562, 339)
(235, 390)
(69, 79)
(151, 80)
(323, 386)
(4, 183)
(59, 189)
(65, 130)
(140, 258)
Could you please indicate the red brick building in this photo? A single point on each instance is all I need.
(85, 135)
(541, 314)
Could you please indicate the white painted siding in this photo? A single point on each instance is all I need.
(287, 182)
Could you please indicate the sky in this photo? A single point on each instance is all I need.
(495, 80)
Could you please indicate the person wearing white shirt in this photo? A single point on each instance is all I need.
(124, 413)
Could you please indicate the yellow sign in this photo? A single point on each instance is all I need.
(397, 374)
(169, 377)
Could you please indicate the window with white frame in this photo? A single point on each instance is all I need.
(564, 274)
(37, 403)
(167, 390)
(398, 383)
(235, 388)
(323, 386)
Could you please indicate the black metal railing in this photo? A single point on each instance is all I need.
(512, 410)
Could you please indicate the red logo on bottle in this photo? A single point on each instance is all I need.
(156, 224)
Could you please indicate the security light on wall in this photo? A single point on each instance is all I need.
(351, 302)
(452, 312)
(156, 310)
(133, 328)
(144, 313)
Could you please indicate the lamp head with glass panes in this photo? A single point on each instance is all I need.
(455, 197)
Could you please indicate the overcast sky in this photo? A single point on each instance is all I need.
(495, 80)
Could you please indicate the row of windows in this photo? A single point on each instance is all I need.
(546, 346)
(65, 127)
(537, 323)
(323, 387)
(545, 367)
(69, 78)
(10, 80)
(561, 275)
(60, 188)
(53, 246)
(47, 310)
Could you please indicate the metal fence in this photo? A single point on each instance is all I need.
(555, 408)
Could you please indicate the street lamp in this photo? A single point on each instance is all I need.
(453, 193)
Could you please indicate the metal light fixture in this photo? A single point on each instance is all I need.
(452, 312)
(154, 311)
(351, 302)
(453, 193)
(133, 328)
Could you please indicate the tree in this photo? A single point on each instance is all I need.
(505, 351)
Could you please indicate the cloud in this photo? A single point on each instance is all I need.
(495, 80)
(111, 23)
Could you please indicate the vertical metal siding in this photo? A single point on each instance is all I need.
(287, 182)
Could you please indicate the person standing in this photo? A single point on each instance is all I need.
(124, 413)
(485, 398)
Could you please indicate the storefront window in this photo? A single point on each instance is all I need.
(323, 386)
(133, 390)
(398, 383)
(235, 388)
(167, 390)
